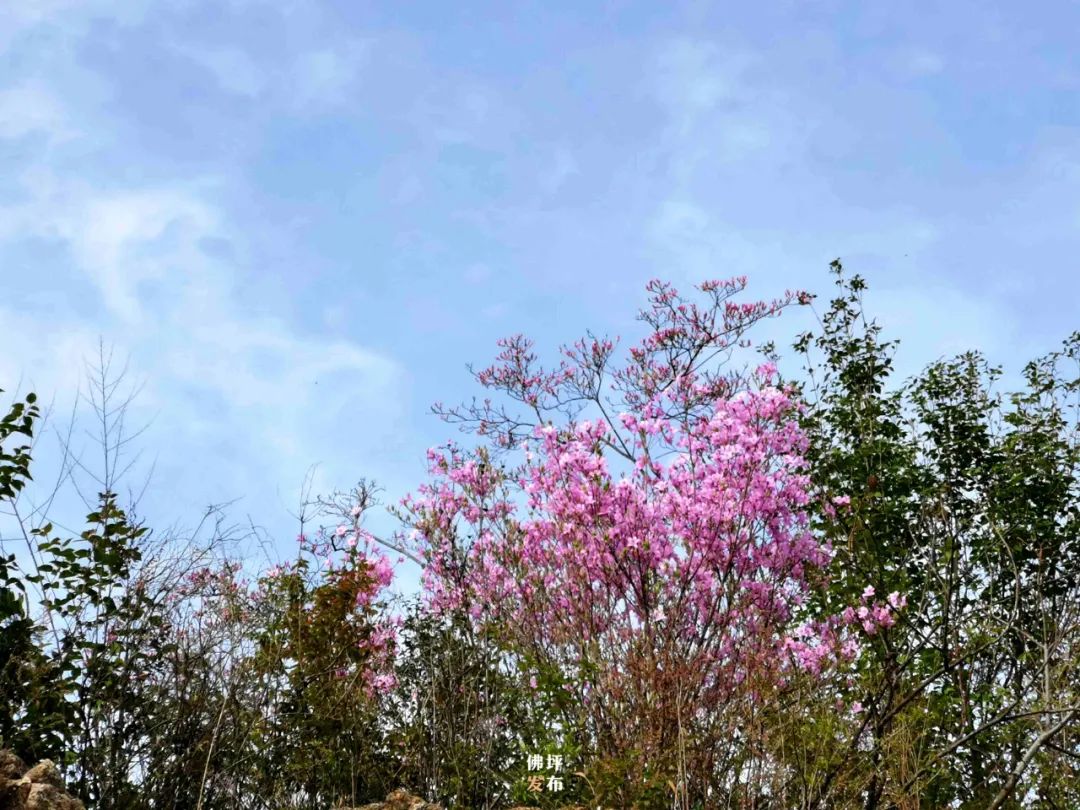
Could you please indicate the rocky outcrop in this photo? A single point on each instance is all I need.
(37, 788)
(401, 800)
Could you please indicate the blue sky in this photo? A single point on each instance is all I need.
(300, 220)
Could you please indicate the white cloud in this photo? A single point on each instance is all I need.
(31, 108)
(924, 63)
(477, 274)
(894, 248)
(121, 240)
(939, 321)
(242, 404)
(327, 77)
(233, 69)
(690, 242)
(461, 113)
(118, 238)
(47, 355)
(723, 111)
(20, 16)
(690, 75)
(563, 166)
(694, 78)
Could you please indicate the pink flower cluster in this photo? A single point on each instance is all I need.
(669, 541)
(835, 638)
(701, 546)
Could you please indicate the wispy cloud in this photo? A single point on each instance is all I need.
(234, 70)
(30, 108)
(251, 396)
(242, 401)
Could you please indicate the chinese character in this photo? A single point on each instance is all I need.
(536, 762)
(554, 762)
(554, 783)
(536, 784)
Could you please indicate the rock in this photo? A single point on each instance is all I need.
(13, 793)
(39, 788)
(401, 799)
(13, 789)
(46, 773)
(44, 796)
(11, 767)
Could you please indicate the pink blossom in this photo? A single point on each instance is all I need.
(679, 530)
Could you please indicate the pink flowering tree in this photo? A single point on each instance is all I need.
(637, 534)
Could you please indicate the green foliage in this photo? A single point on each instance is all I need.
(318, 735)
(460, 723)
(29, 707)
(967, 502)
(66, 677)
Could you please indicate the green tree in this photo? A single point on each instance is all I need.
(32, 711)
(966, 501)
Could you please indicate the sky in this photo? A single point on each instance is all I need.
(297, 222)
